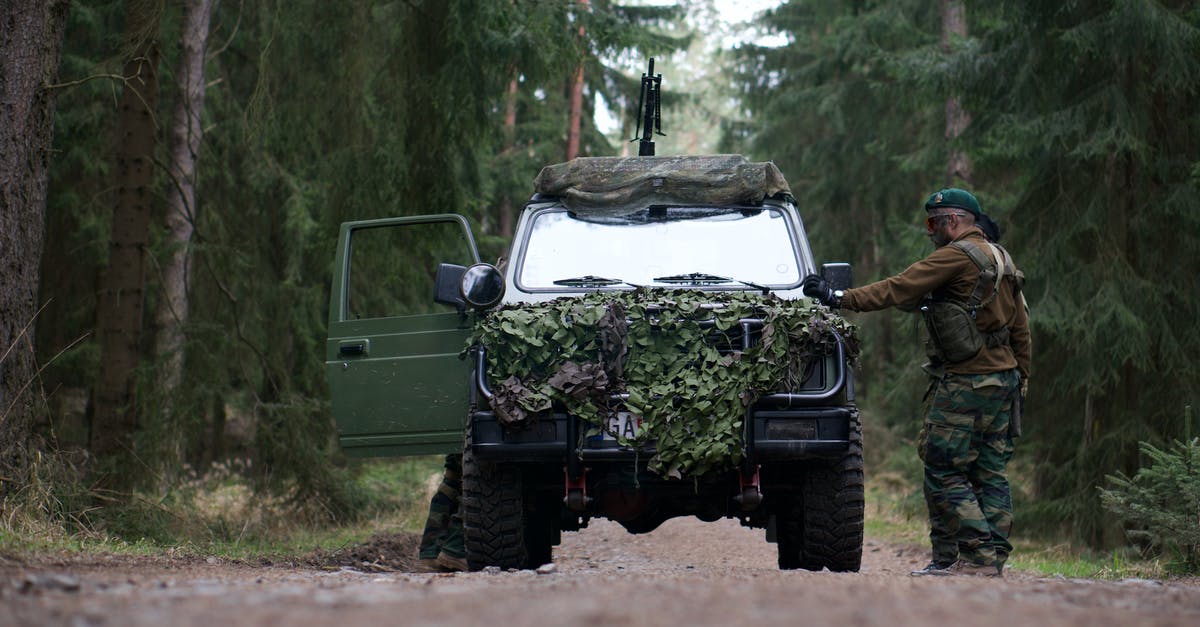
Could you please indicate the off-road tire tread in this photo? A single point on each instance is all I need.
(493, 513)
(833, 510)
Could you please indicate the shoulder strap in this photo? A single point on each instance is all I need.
(987, 273)
(1012, 271)
(1005, 269)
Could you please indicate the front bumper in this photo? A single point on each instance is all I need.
(774, 435)
(812, 423)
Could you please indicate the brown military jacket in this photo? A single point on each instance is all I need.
(949, 273)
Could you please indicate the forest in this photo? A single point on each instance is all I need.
(173, 174)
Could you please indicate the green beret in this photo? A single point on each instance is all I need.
(956, 198)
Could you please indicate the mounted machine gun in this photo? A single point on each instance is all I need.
(650, 112)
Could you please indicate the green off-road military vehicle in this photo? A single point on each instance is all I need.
(645, 352)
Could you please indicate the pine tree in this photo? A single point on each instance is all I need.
(1088, 120)
(1084, 143)
(315, 113)
(841, 112)
(30, 45)
(122, 285)
(185, 142)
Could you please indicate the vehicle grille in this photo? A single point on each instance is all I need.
(814, 382)
(745, 335)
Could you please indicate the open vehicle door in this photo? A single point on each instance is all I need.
(397, 384)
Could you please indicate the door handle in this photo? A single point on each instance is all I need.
(354, 348)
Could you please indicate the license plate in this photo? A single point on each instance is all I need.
(621, 423)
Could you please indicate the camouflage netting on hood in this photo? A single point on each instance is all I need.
(690, 388)
(616, 185)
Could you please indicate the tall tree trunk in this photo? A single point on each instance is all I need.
(31, 36)
(510, 141)
(120, 294)
(954, 26)
(186, 135)
(575, 104)
(1089, 423)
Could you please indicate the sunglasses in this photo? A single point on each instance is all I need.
(932, 221)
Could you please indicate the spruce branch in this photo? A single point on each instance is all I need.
(236, 25)
(127, 81)
(237, 324)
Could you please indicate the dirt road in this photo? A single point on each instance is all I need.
(685, 573)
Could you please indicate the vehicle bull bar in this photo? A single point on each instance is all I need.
(749, 325)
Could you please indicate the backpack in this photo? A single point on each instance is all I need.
(953, 335)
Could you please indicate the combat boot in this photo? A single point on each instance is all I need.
(428, 565)
(935, 568)
(451, 563)
(453, 555)
(964, 567)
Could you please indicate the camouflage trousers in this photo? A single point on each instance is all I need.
(444, 527)
(966, 447)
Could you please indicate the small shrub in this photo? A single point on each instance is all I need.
(1162, 502)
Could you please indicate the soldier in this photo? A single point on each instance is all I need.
(969, 292)
(442, 541)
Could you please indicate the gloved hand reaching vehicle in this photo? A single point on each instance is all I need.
(816, 286)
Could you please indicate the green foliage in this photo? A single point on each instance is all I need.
(1084, 140)
(1162, 501)
(896, 514)
(1084, 143)
(1064, 561)
(861, 143)
(315, 113)
(1087, 124)
(543, 52)
(214, 511)
(690, 395)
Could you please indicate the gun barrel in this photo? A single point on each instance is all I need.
(650, 108)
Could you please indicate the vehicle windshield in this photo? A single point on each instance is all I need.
(744, 245)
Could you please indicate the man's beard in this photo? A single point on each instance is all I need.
(939, 238)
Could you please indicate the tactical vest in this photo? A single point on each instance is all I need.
(953, 335)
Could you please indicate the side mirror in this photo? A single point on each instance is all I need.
(448, 285)
(482, 285)
(838, 275)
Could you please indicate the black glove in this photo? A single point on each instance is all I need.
(817, 287)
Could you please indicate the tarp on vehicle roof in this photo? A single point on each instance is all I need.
(623, 184)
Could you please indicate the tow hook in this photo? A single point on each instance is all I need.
(576, 498)
(750, 496)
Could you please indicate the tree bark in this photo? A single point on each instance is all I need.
(954, 26)
(31, 36)
(186, 135)
(575, 103)
(510, 140)
(120, 295)
(1089, 423)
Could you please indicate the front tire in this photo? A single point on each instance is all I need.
(833, 510)
(822, 527)
(494, 526)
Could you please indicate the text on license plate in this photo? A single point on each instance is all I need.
(621, 423)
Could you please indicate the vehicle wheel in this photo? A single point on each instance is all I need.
(494, 528)
(833, 503)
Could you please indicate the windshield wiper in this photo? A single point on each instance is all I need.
(702, 278)
(589, 281)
